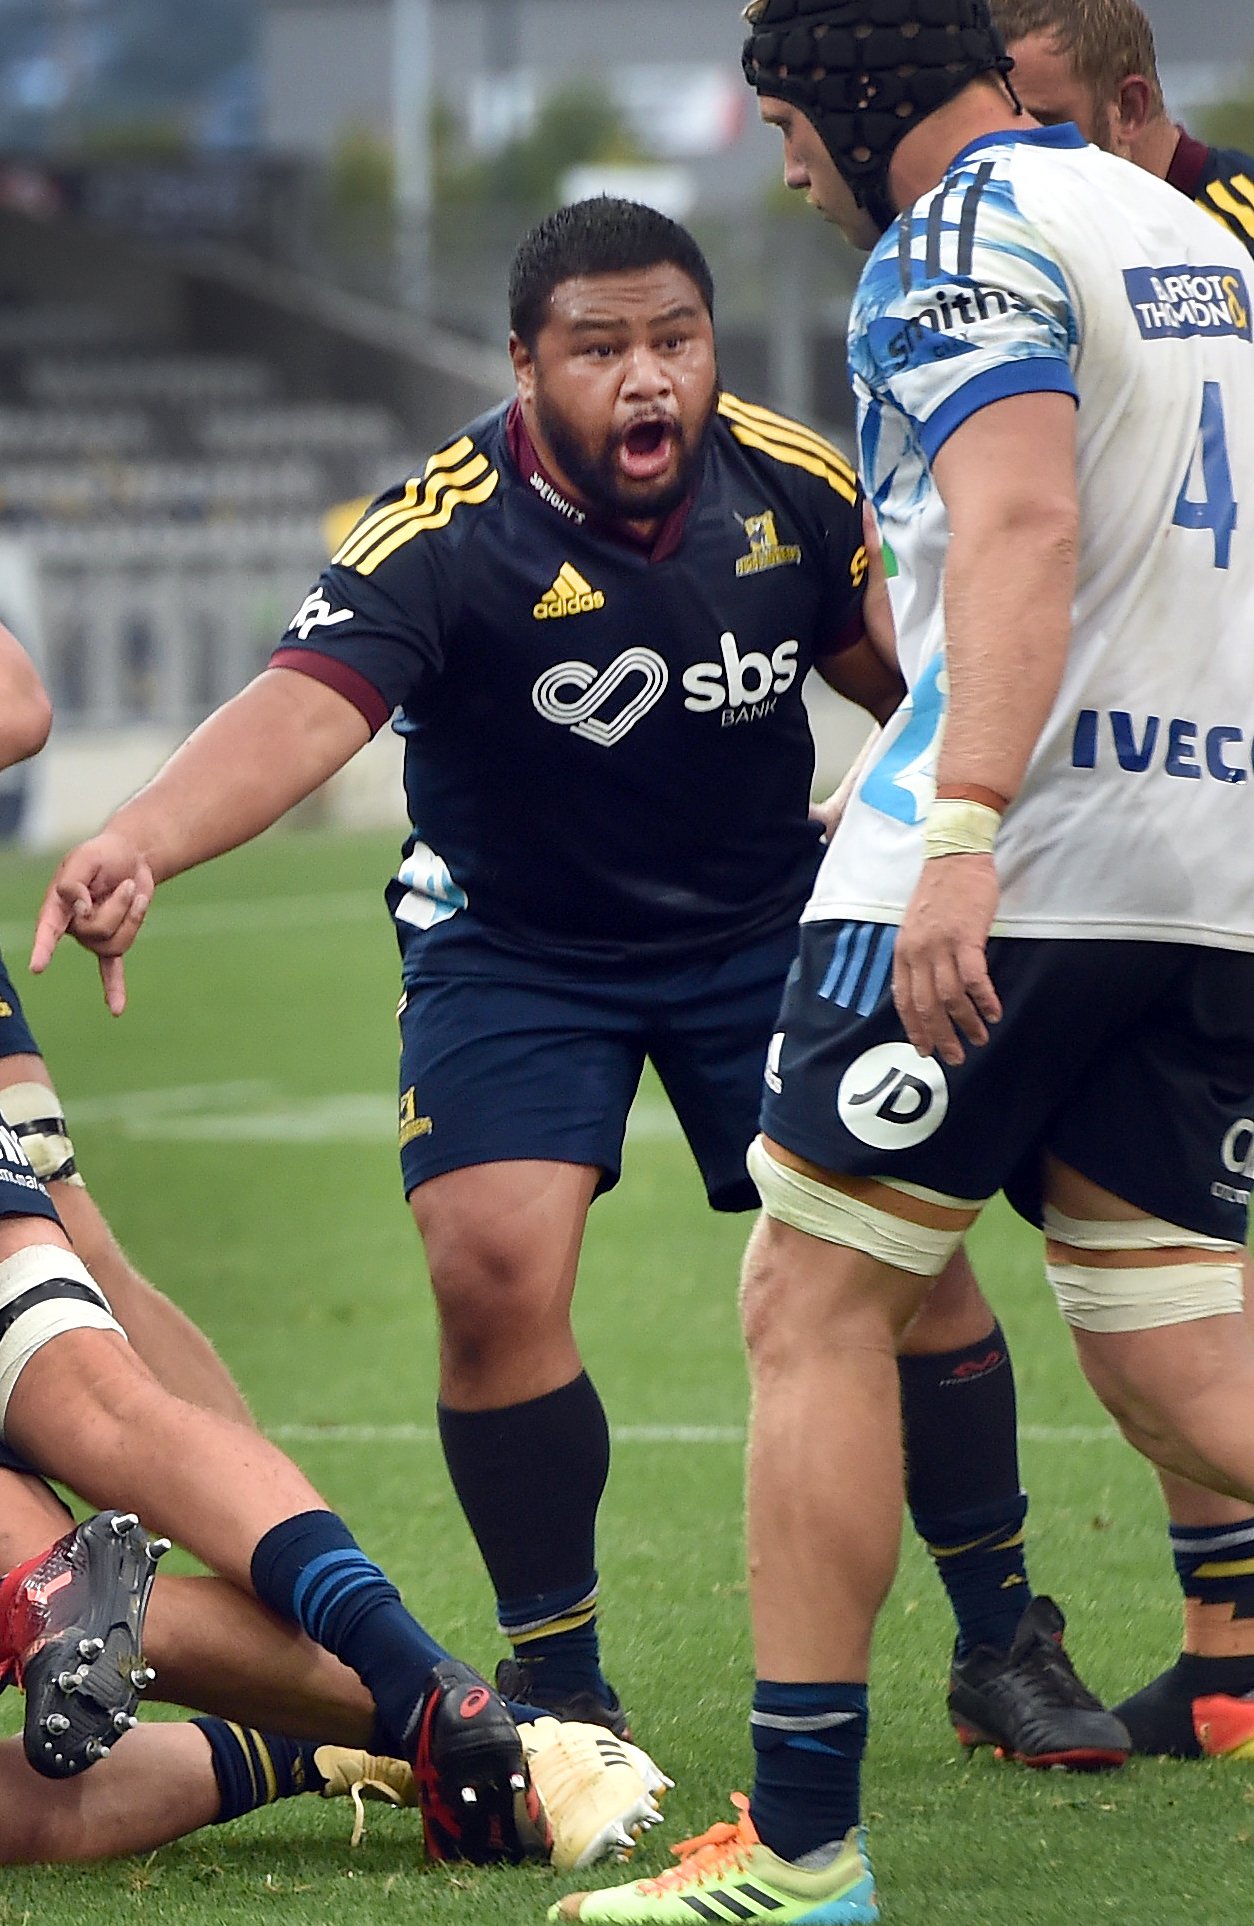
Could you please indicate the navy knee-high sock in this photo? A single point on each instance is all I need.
(311, 1569)
(540, 1552)
(959, 1422)
(255, 1768)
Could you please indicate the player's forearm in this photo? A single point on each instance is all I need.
(244, 768)
(1009, 589)
(25, 710)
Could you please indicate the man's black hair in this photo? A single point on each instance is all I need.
(599, 236)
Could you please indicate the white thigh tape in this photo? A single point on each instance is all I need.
(837, 1218)
(44, 1292)
(33, 1113)
(1148, 1299)
(1117, 1234)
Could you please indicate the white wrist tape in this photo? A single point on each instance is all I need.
(34, 1115)
(957, 827)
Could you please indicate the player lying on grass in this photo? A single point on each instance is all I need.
(618, 580)
(1092, 63)
(595, 1792)
(78, 1404)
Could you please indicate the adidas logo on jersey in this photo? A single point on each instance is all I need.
(569, 595)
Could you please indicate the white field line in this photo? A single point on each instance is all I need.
(255, 1112)
(635, 1434)
(234, 918)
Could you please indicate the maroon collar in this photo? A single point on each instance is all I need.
(656, 548)
(1188, 164)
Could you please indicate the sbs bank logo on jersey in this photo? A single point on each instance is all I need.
(589, 704)
(892, 1098)
(744, 687)
(1180, 303)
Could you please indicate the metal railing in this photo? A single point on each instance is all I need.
(161, 625)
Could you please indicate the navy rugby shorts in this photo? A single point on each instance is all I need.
(21, 1193)
(15, 1033)
(545, 1064)
(1131, 1062)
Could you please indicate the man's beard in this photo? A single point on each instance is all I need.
(596, 478)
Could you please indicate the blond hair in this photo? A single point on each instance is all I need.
(1107, 40)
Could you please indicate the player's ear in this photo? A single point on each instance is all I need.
(1131, 113)
(524, 366)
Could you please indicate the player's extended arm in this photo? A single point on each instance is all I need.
(25, 710)
(1008, 480)
(251, 762)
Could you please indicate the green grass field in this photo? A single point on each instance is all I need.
(238, 1126)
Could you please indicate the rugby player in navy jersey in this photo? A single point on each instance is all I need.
(594, 610)
(1093, 62)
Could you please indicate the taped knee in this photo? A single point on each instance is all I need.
(44, 1292)
(1149, 1297)
(836, 1217)
(33, 1113)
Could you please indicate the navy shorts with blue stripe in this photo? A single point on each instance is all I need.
(1131, 1062)
(544, 1063)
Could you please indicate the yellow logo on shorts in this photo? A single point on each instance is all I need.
(412, 1125)
(6, 1009)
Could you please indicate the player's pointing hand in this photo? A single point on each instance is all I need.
(99, 896)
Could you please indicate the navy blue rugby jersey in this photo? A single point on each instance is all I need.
(1219, 179)
(607, 757)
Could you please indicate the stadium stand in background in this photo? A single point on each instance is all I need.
(171, 502)
(176, 434)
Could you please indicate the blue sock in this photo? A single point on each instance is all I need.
(311, 1569)
(979, 1555)
(962, 1483)
(555, 1636)
(1215, 1566)
(808, 1741)
(541, 1555)
(255, 1768)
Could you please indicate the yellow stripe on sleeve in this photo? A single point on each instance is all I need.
(419, 499)
(787, 428)
(798, 458)
(425, 519)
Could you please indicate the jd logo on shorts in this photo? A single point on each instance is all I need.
(892, 1098)
(583, 712)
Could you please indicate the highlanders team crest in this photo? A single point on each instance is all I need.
(765, 548)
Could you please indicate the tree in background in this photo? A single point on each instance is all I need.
(577, 124)
(1230, 122)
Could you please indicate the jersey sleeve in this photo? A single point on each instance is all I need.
(376, 624)
(963, 305)
(845, 572)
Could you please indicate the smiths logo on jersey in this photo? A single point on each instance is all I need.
(1181, 303)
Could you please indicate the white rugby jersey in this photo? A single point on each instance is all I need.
(1041, 263)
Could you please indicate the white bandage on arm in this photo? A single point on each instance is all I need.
(956, 826)
(836, 1217)
(34, 1115)
(1149, 1297)
(44, 1292)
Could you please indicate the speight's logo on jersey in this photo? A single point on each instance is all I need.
(765, 548)
(1181, 303)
